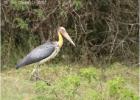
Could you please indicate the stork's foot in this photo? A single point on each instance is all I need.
(35, 77)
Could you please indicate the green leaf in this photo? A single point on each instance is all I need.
(20, 5)
(21, 23)
(39, 13)
(88, 73)
(77, 4)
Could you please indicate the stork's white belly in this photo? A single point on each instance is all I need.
(51, 56)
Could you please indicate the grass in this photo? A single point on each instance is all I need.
(117, 82)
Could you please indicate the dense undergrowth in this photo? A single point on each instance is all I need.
(105, 30)
(73, 82)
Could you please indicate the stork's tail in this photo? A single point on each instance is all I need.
(20, 64)
(17, 66)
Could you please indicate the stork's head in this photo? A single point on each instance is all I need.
(64, 33)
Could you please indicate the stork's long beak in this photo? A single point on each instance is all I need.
(66, 35)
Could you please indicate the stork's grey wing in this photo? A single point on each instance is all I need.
(38, 54)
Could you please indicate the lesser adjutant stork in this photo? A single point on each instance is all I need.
(46, 51)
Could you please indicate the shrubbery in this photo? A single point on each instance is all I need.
(103, 30)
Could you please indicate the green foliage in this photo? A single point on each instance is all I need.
(21, 23)
(44, 97)
(116, 85)
(43, 91)
(40, 97)
(92, 95)
(39, 13)
(128, 95)
(100, 31)
(71, 81)
(88, 73)
(40, 87)
(69, 84)
(78, 4)
(20, 5)
(117, 88)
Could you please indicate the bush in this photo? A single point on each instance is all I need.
(40, 87)
(118, 90)
(115, 86)
(104, 31)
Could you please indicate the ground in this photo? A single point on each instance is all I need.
(73, 82)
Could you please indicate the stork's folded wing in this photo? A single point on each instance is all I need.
(37, 54)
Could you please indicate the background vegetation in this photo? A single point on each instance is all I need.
(104, 31)
(103, 66)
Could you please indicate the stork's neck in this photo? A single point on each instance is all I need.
(60, 39)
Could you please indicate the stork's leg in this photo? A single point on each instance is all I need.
(35, 72)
